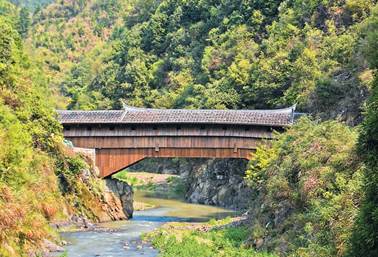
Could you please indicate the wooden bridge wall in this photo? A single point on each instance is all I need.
(120, 147)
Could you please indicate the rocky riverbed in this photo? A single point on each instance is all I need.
(123, 238)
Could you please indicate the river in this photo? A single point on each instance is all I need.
(124, 237)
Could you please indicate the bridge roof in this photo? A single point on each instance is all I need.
(131, 115)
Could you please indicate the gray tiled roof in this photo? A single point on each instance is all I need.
(130, 115)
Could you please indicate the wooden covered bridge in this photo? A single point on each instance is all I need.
(123, 137)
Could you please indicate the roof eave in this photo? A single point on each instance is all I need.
(176, 123)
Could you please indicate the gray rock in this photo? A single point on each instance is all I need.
(52, 247)
(124, 192)
(218, 182)
(210, 181)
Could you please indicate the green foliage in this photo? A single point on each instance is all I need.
(75, 164)
(307, 190)
(70, 37)
(178, 186)
(169, 187)
(32, 154)
(24, 22)
(125, 176)
(202, 54)
(365, 236)
(224, 242)
(263, 157)
(29, 194)
(31, 4)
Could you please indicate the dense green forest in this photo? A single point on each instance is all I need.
(310, 181)
(31, 5)
(365, 233)
(315, 188)
(67, 33)
(34, 162)
(205, 54)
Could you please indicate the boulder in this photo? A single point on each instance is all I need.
(123, 192)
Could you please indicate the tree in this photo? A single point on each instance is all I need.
(24, 22)
(307, 189)
(365, 237)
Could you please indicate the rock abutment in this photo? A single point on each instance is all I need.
(124, 194)
(218, 182)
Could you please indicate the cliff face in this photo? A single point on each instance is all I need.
(122, 194)
(217, 182)
(209, 181)
(94, 198)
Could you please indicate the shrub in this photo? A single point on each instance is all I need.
(307, 186)
(365, 236)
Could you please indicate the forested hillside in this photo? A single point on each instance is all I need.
(31, 4)
(205, 54)
(315, 187)
(67, 33)
(307, 190)
(365, 237)
(28, 131)
(40, 178)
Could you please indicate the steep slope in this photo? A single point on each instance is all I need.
(244, 54)
(31, 4)
(307, 191)
(365, 236)
(33, 157)
(67, 32)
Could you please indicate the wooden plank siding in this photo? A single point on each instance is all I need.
(178, 130)
(164, 142)
(120, 146)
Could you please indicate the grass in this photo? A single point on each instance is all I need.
(177, 240)
(125, 176)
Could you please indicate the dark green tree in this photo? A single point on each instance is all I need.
(365, 237)
(24, 22)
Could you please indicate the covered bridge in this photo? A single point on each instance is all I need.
(123, 137)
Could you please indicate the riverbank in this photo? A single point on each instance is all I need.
(158, 199)
(225, 238)
(123, 238)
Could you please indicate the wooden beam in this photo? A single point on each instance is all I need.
(110, 161)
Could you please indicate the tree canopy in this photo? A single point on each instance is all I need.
(210, 54)
(365, 238)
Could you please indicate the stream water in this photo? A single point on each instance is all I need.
(124, 237)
